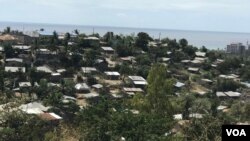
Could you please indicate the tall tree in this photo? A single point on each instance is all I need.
(160, 88)
(183, 42)
(7, 30)
(142, 40)
(1, 79)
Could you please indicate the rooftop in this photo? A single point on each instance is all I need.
(200, 54)
(193, 69)
(14, 69)
(88, 69)
(107, 48)
(44, 69)
(91, 38)
(33, 108)
(136, 78)
(111, 73)
(132, 89)
(24, 84)
(97, 86)
(49, 116)
(14, 60)
(179, 84)
(21, 47)
(82, 86)
(7, 37)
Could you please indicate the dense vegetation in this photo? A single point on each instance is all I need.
(147, 116)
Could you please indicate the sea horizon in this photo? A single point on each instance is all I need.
(210, 39)
(109, 26)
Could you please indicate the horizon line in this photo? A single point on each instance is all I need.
(149, 28)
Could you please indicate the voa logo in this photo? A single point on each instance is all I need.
(236, 132)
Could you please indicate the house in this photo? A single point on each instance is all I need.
(192, 115)
(185, 61)
(88, 69)
(230, 76)
(221, 108)
(165, 59)
(21, 47)
(49, 116)
(132, 91)
(45, 34)
(200, 54)
(108, 50)
(55, 77)
(24, 85)
(88, 96)
(152, 44)
(206, 81)
(128, 59)
(112, 75)
(230, 94)
(34, 108)
(67, 99)
(82, 88)
(97, 87)
(233, 94)
(44, 51)
(138, 80)
(193, 70)
(44, 69)
(17, 62)
(14, 69)
(7, 38)
(61, 70)
(91, 42)
(44, 54)
(220, 94)
(179, 85)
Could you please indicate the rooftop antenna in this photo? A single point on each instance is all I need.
(160, 36)
(93, 30)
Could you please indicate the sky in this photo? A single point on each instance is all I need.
(205, 15)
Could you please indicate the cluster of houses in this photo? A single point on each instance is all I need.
(108, 80)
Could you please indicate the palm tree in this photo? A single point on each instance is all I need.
(67, 36)
(76, 31)
(7, 30)
(55, 35)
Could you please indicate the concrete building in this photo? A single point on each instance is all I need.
(236, 48)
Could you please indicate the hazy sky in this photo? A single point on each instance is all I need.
(208, 15)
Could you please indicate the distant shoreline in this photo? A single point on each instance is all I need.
(209, 39)
(108, 26)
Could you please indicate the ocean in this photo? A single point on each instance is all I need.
(211, 40)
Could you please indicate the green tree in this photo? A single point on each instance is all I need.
(9, 51)
(2, 79)
(67, 36)
(183, 42)
(68, 87)
(7, 30)
(90, 57)
(142, 40)
(159, 90)
(143, 60)
(76, 31)
(125, 70)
